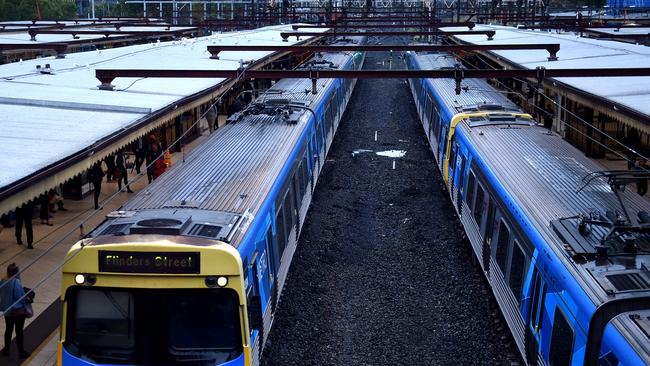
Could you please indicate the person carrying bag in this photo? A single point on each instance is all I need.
(16, 307)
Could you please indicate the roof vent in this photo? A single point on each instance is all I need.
(159, 222)
(163, 226)
(116, 229)
(628, 281)
(208, 231)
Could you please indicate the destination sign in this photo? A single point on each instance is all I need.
(149, 262)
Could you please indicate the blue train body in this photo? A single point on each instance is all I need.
(515, 186)
(252, 183)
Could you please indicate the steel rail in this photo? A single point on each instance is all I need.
(552, 48)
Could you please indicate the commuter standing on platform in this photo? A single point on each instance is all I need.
(24, 217)
(152, 154)
(44, 201)
(121, 173)
(96, 175)
(110, 168)
(12, 292)
(140, 152)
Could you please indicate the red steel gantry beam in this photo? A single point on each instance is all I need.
(106, 76)
(285, 35)
(59, 48)
(33, 32)
(552, 48)
(469, 25)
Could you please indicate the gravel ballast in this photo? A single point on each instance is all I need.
(382, 274)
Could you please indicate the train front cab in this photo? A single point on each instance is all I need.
(154, 303)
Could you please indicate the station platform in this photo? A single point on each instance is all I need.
(41, 331)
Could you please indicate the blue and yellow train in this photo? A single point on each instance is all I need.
(189, 272)
(564, 248)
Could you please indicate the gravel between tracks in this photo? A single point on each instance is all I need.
(381, 275)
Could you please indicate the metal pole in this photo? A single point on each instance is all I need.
(92, 5)
(174, 12)
(144, 9)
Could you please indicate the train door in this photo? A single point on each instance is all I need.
(315, 158)
(461, 181)
(535, 306)
(488, 233)
(297, 197)
(255, 309)
(442, 145)
(274, 265)
(451, 169)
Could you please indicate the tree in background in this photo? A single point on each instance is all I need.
(25, 9)
(58, 9)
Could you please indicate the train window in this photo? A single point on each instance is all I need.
(461, 172)
(297, 186)
(478, 205)
(452, 162)
(319, 138)
(489, 222)
(114, 325)
(538, 291)
(561, 341)
(103, 318)
(305, 175)
(279, 231)
(502, 246)
(442, 142)
(517, 267)
(436, 122)
(288, 213)
(471, 183)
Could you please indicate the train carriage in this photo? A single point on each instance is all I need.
(191, 269)
(562, 244)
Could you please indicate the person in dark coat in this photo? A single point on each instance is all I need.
(152, 154)
(13, 305)
(140, 152)
(235, 107)
(96, 175)
(44, 201)
(24, 217)
(110, 168)
(122, 173)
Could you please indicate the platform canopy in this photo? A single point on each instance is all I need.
(55, 123)
(631, 93)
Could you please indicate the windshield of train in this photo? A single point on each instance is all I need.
(153, 327)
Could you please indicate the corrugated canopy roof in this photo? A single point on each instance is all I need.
(576, 52)
(47, 118)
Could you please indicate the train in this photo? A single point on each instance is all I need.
(191, 269)
(563, 246)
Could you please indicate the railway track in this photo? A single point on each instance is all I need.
(382, 274)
